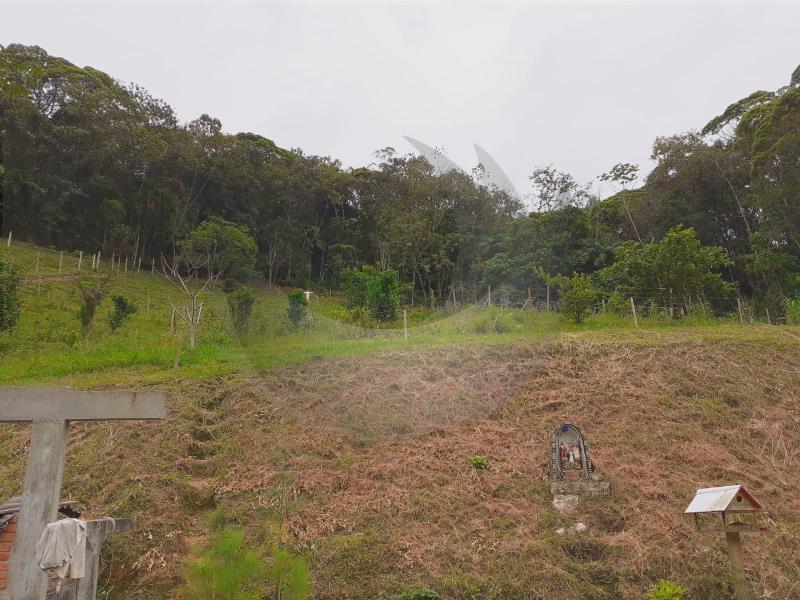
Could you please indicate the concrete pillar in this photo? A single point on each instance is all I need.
(40, 496)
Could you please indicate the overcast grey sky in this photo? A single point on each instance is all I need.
(582, 85)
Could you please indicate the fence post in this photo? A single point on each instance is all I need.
(405, 324)
(548, 297)
(9, 239)
(80, 259)
(633, 309)
(60, 261)
(739, 307)
(769, 321)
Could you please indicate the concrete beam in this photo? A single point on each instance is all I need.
(43, 476)
(43, 404)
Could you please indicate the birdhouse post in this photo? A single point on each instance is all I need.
(730, 509)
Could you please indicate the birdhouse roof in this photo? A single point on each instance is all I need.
(734, 498)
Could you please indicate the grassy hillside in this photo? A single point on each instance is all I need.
(352, 447)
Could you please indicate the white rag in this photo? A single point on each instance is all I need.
(62, 548)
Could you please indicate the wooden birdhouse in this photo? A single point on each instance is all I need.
(725, 508)
(730, 509)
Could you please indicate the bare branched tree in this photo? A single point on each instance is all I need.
(191, 275)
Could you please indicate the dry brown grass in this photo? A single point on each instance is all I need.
(362, 465)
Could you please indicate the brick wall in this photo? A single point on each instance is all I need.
(7, 535)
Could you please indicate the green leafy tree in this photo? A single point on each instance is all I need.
(123, 309)
(676, 270)
(577, 297)
(10, 305)
(383, 296)
(240, 305)
(298, 307)
(230, 249)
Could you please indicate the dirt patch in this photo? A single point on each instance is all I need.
(375, 398)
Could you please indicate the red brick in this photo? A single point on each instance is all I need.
(5, 547)
(4, 556)
(3, 566)
(3, 574)
(2, 585)
(7, 537)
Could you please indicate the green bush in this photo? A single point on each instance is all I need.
(122, 311)
(383, 296)
(298, 307)
(478, 461)
(288, 576)
(91, 294)
(665, 589)
(792, 311)
(226, 569)
(578, 296)
(240, 305)
(355, 283)
(10, 305)
(618, 304)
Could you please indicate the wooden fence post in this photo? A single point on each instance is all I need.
(60, 261)
(769, 321)
(739, 306)
(9, 239)
(633, 309)
(548, 297)
(405, 324)
(80, 259)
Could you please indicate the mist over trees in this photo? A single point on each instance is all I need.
(91, 163)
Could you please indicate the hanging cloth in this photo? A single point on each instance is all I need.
(61, 549)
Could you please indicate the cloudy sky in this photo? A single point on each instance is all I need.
(581, 85)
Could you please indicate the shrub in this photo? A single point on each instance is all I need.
(383, 296)
(477, 461)
(355, 283)
(617, 304)
(10, 306)
(240, 305)
(578, 295)
(91, 294)
(288, 576)
(123, 310)
(665, 589)
(298, 307)
(226, 569)
(229, 570)
(792, 311)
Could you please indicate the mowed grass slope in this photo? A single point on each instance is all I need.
(352, 447)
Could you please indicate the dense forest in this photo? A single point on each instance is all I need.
(90, 163)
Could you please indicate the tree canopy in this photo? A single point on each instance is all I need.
(91, 163)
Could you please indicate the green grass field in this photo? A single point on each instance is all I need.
(48, 345)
